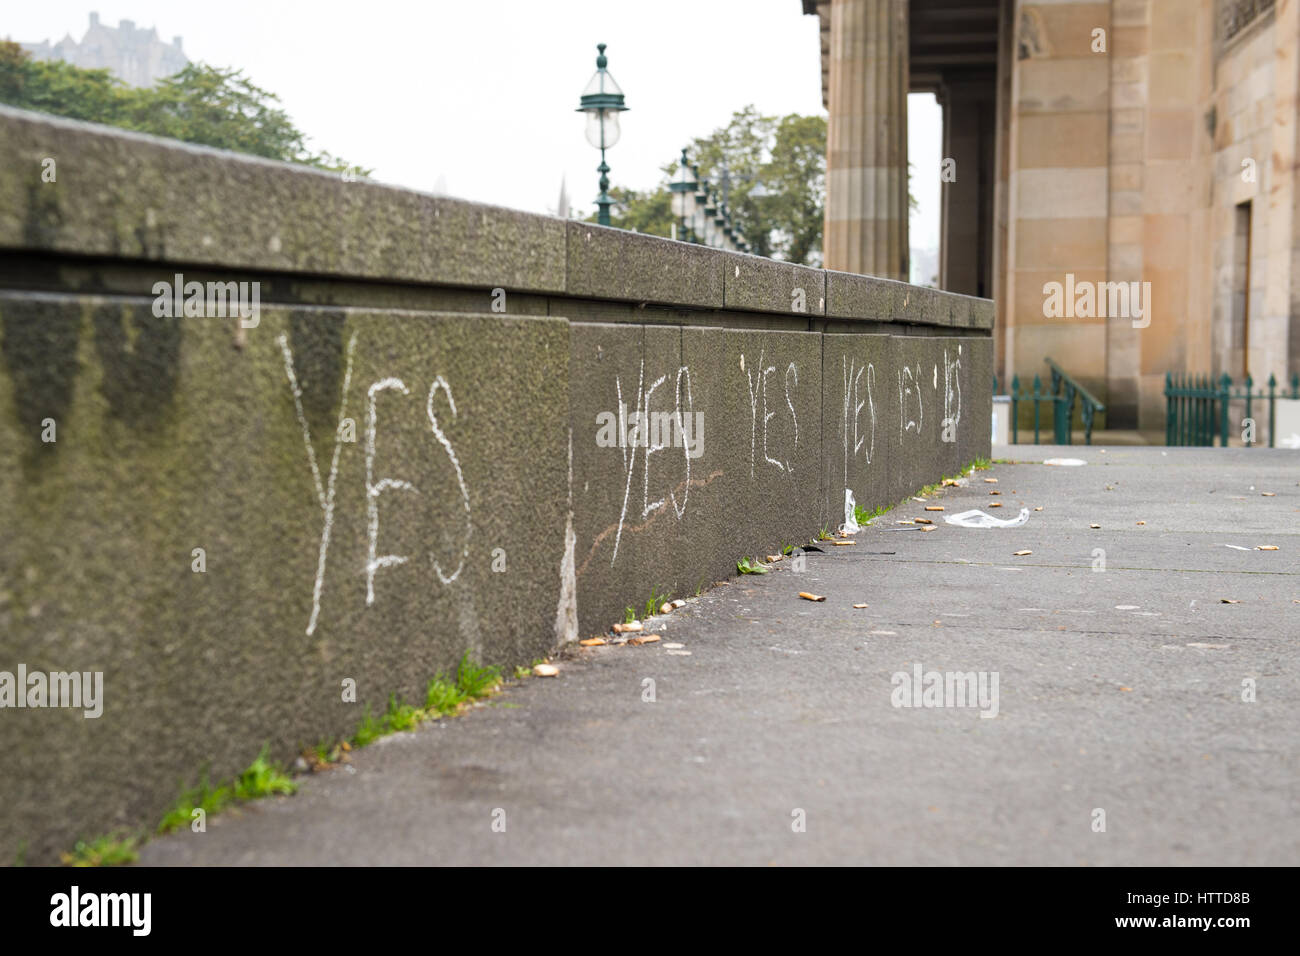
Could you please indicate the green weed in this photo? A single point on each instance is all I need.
(112, 850)
(262, 779)
(368, 731)
(443, 697)
(204, 797)
(656, 601)
(476, 681)
(400, 716)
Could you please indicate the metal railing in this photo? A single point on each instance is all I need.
(1062, 395)
(1196, 407)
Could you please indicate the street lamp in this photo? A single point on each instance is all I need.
(701, 200)
(710, 217)
(683, 190)
(602, 101)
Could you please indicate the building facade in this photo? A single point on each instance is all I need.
(132, 54)
(1124, 177)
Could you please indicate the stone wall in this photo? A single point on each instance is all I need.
(414, 451)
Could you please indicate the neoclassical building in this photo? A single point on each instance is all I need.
(1107, 148)
(133, 54)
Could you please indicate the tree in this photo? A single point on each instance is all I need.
(649, 212)
(200, 104)
(785, 154)
(59, 88)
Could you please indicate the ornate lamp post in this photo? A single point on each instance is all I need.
(710, 236)
(602, 101)
(683, 190)
(701, 200)
(719, 222)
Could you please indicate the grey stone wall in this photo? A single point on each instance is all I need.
(487, 365)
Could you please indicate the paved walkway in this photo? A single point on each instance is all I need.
(1118, 691)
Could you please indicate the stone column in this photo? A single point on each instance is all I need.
(1002, 286)
(866, 148)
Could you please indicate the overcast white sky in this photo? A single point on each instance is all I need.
(480, 94)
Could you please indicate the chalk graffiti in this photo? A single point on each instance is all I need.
(375, 489)
(325, 496)
(853, 377)
(653, 440)
(909, 394)
(757, 389)
(325, 491)
(952, 390)
(441, 383)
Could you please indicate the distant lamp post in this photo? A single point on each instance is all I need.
(683, 190)
(602, 101)
(720, 223)
(710, 218)
(701, 200)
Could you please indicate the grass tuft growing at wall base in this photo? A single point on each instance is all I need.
(263, 778)
(204, 797)
(114, 849)
(443, 697)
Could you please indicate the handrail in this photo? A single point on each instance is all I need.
(1063, 392)
(1086, 395)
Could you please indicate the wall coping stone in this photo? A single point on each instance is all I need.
(130, 196)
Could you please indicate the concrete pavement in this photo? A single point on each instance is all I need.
(1118, 691)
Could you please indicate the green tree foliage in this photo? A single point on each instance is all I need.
(57, 87)
(200, 104)
(642, 211)
(786, 154)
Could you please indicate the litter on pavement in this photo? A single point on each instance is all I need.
(979, 519)
(850, 525)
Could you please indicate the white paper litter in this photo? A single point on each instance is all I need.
(850, 525)
(980, 519)
(1065, 461)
